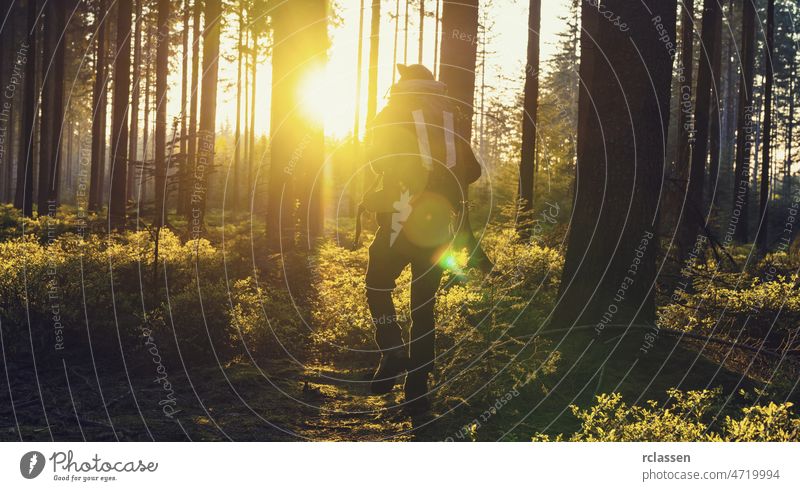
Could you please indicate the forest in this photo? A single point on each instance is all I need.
(185, 229)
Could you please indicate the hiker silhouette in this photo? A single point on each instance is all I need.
(424, 168)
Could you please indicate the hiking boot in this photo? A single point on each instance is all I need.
(416, 391)
(393, 363)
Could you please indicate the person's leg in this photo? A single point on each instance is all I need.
(426, 276)
(385, 265)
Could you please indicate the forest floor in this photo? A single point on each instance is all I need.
(330, 402)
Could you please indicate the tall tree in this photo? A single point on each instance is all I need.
(52, 105)
(98, 111)
(133, 144)
(787, 167)
(763, 229)
(694, 216)
(8, 40)
(187, 15)
(296, 150)
(212, 15)
(251, 127)
(133, 140)
(744, 133)
(372, 72)
(162, 70)
(530, 106)
(23, 199)
(421, 41)
(237, 131)
(457, 57)
(686, 123)
(622, 116)
(191, 151)
(715, 124)
(119, 117)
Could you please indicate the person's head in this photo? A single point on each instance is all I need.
(414, 72)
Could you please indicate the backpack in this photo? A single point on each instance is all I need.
(422, 164)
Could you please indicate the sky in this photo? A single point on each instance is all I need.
(335, 90)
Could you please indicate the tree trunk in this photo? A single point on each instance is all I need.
(183, 169)
(610, 266)
(695, 215)
(421, 41)
(251, 139)
(686, 125)
(372, 71)
(208, 114)
(457, 57)
(7, 42)
(405, 34)
(246, 130)
(787, 168)
(235, 200)
(396, 36)
(133, 143)
(715, 130)
(315, 55)
(119, 117)
(98, 114)
(191, 152)
(162, 71)
(762, 236)
(530, 106)
(738, 229)
(141, 190)
(296, 150)
(23, 200)
(437, 19)
(47, 123)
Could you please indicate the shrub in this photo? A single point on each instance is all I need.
(685, 418)
(763, 310)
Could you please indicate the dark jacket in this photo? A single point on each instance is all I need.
(413, 145)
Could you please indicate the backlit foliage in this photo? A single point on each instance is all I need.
(687, 417)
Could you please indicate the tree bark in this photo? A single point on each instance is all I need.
(296, 150)
(623, 108)
(23, 199)
(162, 71)
(715, 128)
(738, 228)
(47, 123)
(119, 118)
(762, 237)
(457, 57)
(7, 42)
(695, 214)
(191, 152)
(421, 40)
(251, 138)
(530, 106)
(98, 113)
(133, 143)
(208, 114)
(372, 71)
(235, 200)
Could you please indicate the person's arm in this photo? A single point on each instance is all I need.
(470, 165)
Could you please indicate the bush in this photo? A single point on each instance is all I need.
(760, 309)
(686, 418)
(265, 322)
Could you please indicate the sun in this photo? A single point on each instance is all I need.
(327, 99)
